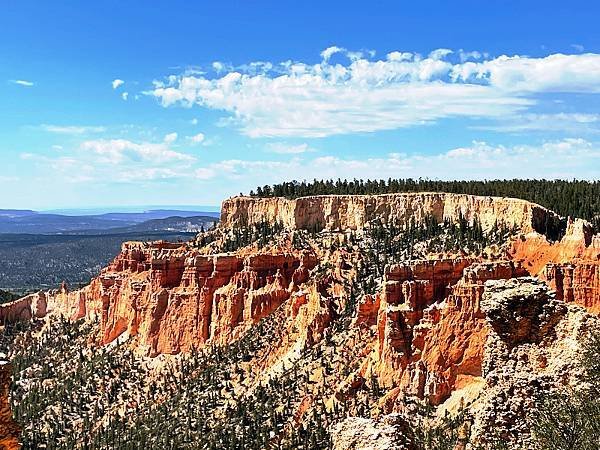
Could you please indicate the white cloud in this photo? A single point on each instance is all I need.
(194, 121)
(116, 83)
(283, 148)
(149, 174)
(125, 95)
(197, 138)
(116, 151)
(566, 158)
(205, 173)
(23, 83)
(170, 138)
(565, 122)
(519, 74)
(330, 51)
(405, 89)
(72, 129)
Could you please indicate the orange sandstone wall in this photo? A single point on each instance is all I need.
(9, 429)
(430, 328)
(171, 298)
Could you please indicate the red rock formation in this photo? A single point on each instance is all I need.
(577, 282)
(570, 265)
(25, 308)
(9, 429)
(171, 298)
(430, 329)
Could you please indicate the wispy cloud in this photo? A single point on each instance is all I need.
(566, 158)
(403, 90)
(197, 138)
(563, 122)
(25, 83)
(116, 151)
(72, 129)
(170, 138)
(283, 148)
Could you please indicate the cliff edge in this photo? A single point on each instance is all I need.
(352, 212)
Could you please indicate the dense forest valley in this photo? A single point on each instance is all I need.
(300, 375)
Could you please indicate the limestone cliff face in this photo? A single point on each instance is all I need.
(9, 429)
(170, 298)
(342, 212)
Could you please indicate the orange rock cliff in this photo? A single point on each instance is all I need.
(9, 429)
(423, 330)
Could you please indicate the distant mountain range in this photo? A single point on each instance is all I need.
(34, 222)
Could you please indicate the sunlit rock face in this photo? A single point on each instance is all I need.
(9, 429)
(420, 331)
(344, 212)
(171, 298)
(430, 328)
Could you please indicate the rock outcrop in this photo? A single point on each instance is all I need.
(9, 429)
(170, 298)
(430, 328)
(25, 308)
(359, 433)
(533, 347)
(352, 212)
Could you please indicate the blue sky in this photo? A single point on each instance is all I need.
(132, 103)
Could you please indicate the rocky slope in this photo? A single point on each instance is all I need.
(393, 327)
(9, 429)
(533, 348)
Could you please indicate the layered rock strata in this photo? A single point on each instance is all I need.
(430, 328)
(352, 212)
(25, 308)
(170, 298)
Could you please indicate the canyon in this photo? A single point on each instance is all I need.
(423, 330)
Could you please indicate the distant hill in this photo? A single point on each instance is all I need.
(29, 262)
(169, 224)
(32, 222)
(39, 250)
(16, 212)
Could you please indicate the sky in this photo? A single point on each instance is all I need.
(113, 103)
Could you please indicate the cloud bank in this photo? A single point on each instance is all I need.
(295, 99)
